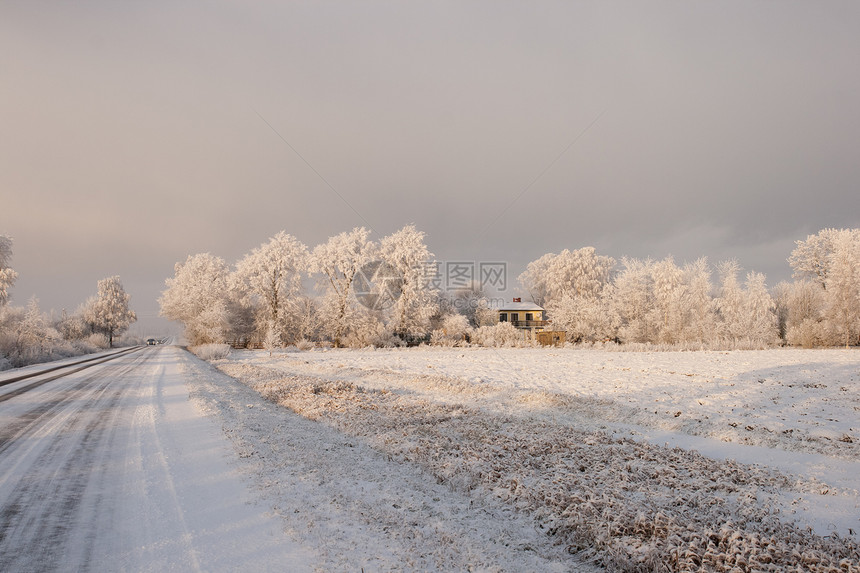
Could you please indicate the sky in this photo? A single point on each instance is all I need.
(133, 134)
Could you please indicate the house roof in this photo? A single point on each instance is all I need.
(517, 306)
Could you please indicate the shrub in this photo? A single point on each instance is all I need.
(211, 351)
(808, 334)
(501, 334)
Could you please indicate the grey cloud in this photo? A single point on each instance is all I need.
(131, 131)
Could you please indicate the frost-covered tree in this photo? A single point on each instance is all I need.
(585, 319)
(269, 280)
(10, 318)
(761, 325)
(198, 296)
(32, 333)
(452, 330)
(698, 305)
(780, 295)
(305, 320)
(831, 259)
(811, 258)
(7, 275)
(485, 315)
(570, 285)
(26, 335)
(74, 326)
(584, 273)
(661, 302)
(669, 292)
(416, 301)
(800, 309)
(87, 314)
(110, 312)
(536, 279)
(339, 261)
(579, 273)
(466, 301)
(731, 304)
(455, 326)
(272, 340)
(746, 312)
(843, 286)
(633, 301)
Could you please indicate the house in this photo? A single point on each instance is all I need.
(523, 315)
(531, 319)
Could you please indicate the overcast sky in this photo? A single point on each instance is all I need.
(133, 134)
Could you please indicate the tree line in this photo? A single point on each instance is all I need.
(29, 336)
(659, 302)
(380, 293)
(262, 299)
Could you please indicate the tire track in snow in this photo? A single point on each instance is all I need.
(61, 444)
(89, 363)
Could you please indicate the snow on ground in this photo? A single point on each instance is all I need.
(801, 400)
(676, 459)
(357, 508)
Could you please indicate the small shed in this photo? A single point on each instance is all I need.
(551, 337)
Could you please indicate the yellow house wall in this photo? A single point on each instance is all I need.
(536, 314)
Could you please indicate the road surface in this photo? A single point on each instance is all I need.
(107, 465)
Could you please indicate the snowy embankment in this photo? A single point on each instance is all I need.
(635, 460)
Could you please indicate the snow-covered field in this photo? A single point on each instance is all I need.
(635, 460)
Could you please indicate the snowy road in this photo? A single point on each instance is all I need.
(111, 467)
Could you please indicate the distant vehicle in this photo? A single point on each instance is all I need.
(151, 341)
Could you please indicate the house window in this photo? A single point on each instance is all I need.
(515, 316)
(530, 316)
(503, 317)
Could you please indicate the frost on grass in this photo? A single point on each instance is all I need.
(628, 505)
(211, 351)
(789, 400)
(358, 508)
